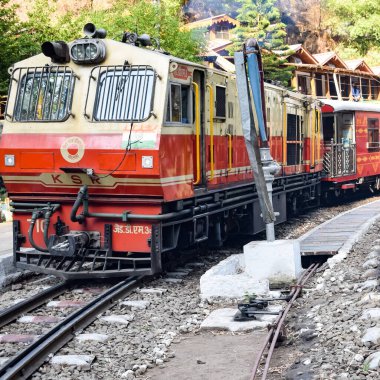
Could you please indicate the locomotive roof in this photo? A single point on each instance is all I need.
(347, 105)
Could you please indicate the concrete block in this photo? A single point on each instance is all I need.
(80, 361)
(227, 280)
(278, 261)
(223, 319)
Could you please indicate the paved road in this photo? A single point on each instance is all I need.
(5, 238)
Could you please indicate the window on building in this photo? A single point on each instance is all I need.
(345, 87)
(222, 32)
(373, 134)
(332, 88)
(365, 88)
(179, 104)
(320, 85)
(304, 84)
(220, 102)
(375, 89)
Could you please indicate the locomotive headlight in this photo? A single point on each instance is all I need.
(147, 162)
(88, 51)
(9, 160)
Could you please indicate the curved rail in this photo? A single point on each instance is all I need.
(13, 312)
(276, 327)
(31, 358)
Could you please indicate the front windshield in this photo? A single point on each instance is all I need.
(44, 94)
(124, 93)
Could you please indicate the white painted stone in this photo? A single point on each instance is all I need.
(371, 314)
(226, 280)
(135, 305)
(92, 337)
(82, 361)
(370, 297)
(279, 260)
(128, 375)
(369, 284)
(122, 319)
(154, 291)
(373, 360)
(3, 360)
(374, 254)
(372, 335)
(371, 263)
(223, 319)
(171, 280)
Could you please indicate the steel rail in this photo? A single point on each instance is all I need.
(13, 312)
(32, 357)
(276, 326)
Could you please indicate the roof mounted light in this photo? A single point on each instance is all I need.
(135, 39)
(90, 31)
(58, 51)
(87, 51)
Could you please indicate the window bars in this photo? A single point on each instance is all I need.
(123, 93)
(43, 94)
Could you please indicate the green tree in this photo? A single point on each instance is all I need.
(10, 29)
(356, 23)
(261, 19)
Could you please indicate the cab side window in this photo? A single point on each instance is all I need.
(179, 104)
(220, 102)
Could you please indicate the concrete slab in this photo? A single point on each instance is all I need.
(7, 269)
(277, 261)
(223, 319)
(92, 337)
(120, 319)
(218, 357)
(154, 291)
(80, 361)
(17, 338)
(66, 304)
(39, 319)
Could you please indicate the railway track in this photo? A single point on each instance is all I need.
(27, 361)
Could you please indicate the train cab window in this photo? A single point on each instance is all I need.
(179, 104)
(44, 94)
(124, 93)
(220, 102)
(373, 134)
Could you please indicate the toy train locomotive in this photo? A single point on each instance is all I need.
(113, 155)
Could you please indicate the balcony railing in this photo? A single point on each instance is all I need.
(339, 159)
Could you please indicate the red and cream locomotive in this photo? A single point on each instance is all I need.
(114, 154)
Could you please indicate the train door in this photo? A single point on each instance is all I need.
(199, 155)
(294, 139)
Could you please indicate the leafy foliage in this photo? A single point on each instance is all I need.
(161, 20)
(356, 23)
(260, 19)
